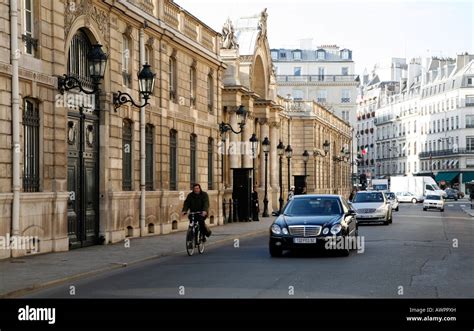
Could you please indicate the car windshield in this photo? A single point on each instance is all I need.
(433, 197)
(369, 197)
(313, 206)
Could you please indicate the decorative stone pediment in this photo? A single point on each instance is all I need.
(86, 8)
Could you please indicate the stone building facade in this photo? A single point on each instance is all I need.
(75, 171)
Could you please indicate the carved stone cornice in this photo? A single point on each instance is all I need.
(274, 124)
(262, 121)
(90, 12)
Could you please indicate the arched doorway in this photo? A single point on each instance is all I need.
(83, 149)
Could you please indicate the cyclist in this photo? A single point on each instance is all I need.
(196, 201)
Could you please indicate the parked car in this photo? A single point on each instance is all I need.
(433, 202)
(309, 221)
(408, 197)
(393, 200)
(451, 194)
(372, 206)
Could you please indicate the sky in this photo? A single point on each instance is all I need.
(373, 30)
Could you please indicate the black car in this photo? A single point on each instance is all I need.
(451, 194)
(309, 221)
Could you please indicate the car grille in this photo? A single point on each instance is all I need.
(366, 211)
(305, 230)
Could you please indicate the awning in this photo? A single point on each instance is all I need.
(467, 177)
(446, 176)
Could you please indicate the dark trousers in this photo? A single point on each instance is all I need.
(202, 224)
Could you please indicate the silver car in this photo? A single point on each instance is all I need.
(393, 200)
(372, 206)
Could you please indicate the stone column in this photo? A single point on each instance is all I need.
(246, 147)
(274, 165)
(234, 158)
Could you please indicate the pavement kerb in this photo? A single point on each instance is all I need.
(36, 287)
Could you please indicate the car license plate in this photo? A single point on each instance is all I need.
(304, 240)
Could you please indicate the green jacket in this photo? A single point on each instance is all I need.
(196, 202)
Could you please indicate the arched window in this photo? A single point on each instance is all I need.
(173, 159)
(173, 78)
(210, 92)
(127, 60)
(193, 159)
(78, 64)
(31, 140)
(127, 135)
(192, 84)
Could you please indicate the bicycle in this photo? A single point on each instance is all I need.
(194, 236)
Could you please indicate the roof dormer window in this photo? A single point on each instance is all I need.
(297, 55)
(321, 53)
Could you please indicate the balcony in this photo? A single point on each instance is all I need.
(445, 152)
(316, 78)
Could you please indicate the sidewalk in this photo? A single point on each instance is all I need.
(18, 276)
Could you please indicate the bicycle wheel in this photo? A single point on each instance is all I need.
(200, 243)
(190, 242)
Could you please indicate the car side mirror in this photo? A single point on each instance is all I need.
(352, 212)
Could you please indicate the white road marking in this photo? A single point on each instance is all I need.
(452, 218)
(463, 205)
(450, 205)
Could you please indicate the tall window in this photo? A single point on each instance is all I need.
(193, 159)
(297, 71)
(127, 134)
(173, 78)
(126, 61)
(149, 134)
(192, 84)
(470, 143)
(173, 160)
(31, 147)
(210, 92)
(469, 121)
(29, 27)
(345, 71)
(346, 96)
(322, 95)
(210, 164)
(320, 73)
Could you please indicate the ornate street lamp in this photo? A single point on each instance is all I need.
(281, 151)
(146, 84)
(241, 119)
(289, 154)
(305, 160)
(266, 150)
(97, 61)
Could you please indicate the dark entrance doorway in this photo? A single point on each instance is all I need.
(83, 178)
(83, 148)
(242, 192)
(300, 184)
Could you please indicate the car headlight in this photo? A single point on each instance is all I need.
(325, 230)
(276, 229)
(284, 230)
(336, 228)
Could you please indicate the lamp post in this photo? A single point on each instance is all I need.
(289, 154)
(326, 147)
(266, 150)
(281, 151)
(305, 160)
(253, 141)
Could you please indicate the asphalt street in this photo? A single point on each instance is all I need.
(421, 255)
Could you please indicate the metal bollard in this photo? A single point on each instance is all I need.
(236, 213)
(223, 211)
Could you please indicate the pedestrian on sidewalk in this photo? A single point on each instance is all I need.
(197, 201)
(255, 205)
(291, 193)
